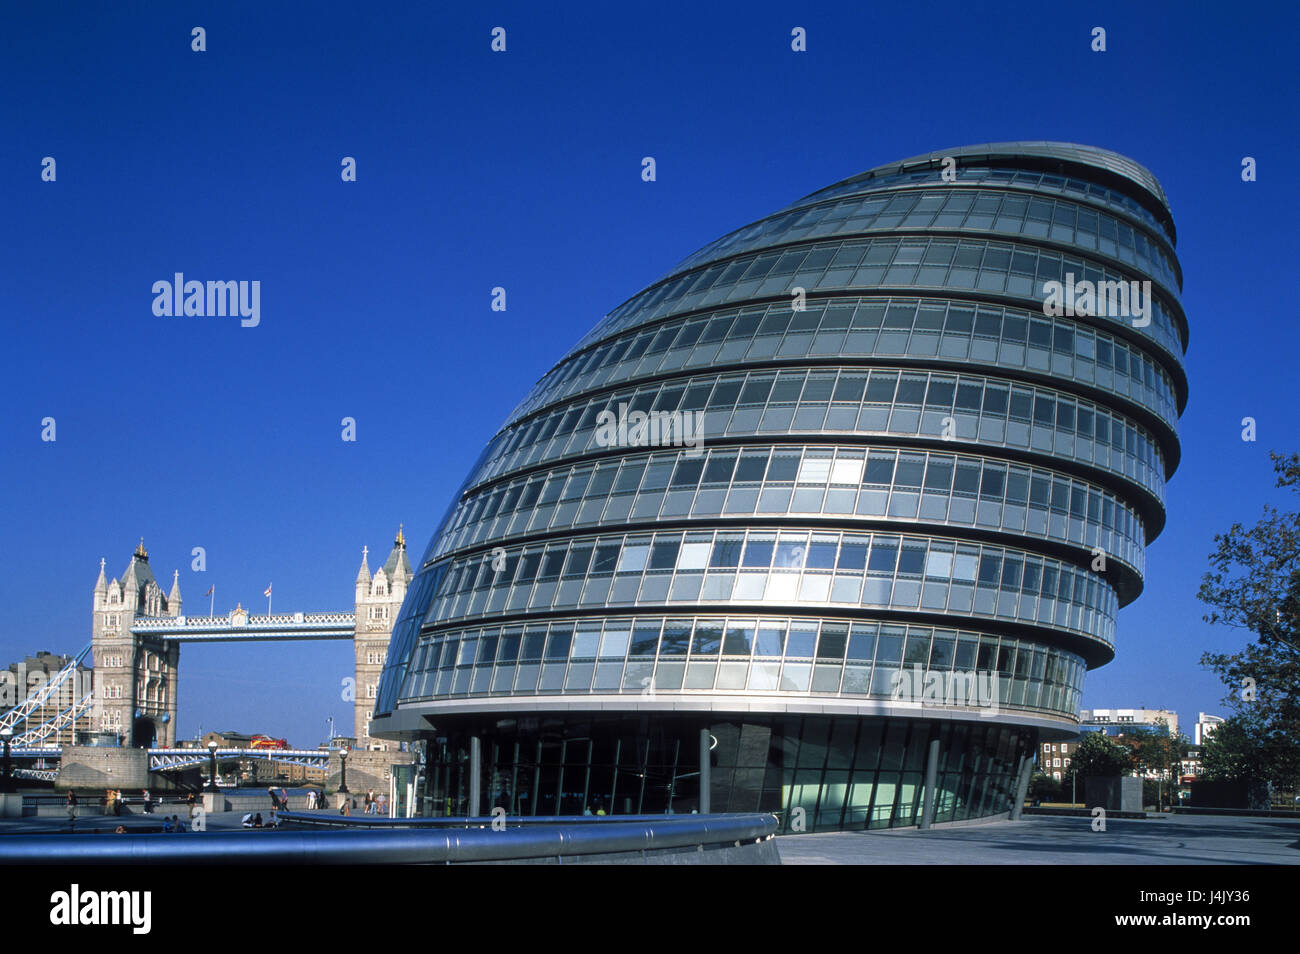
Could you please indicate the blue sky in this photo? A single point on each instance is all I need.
(522, 170)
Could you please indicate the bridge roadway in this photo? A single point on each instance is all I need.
(244, 627)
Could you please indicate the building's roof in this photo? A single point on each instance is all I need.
(397, 562)
(137, 573)
(1099, 166)
(1067, 153)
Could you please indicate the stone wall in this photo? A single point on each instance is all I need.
(100, 767)
(366, 770)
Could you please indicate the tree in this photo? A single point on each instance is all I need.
(1254, 584)
(1241, 749)
(1156, 752)
(1099, 756)
(1044, 788)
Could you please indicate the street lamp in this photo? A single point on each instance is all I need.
(343, 771)
(6, 782)
(212, 766)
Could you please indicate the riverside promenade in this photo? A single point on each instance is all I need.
(1049, 840)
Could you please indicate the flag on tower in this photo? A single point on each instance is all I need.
(210, 589)
(268, 590)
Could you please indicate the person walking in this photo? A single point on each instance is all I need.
(148, 803)
(275, 799)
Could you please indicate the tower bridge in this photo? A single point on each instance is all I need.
(138, 631)
(136, 634)
(129, 697)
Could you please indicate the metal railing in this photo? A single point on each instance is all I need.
(247, 626)
(161, 759)
(635, 839)
(330, 818)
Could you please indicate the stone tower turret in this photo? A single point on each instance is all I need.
(135, 676)
(379, 597)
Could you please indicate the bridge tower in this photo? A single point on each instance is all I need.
(379, 597)
(135, 676)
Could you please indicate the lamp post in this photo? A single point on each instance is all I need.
(212, 766)
(6, 782)
(343, 771)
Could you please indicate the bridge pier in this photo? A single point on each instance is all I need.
(92, 766)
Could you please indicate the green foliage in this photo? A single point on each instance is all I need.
(1254, 584)
(1099, 756)
(1044, 788)
(1243, 749)
(1154, 749)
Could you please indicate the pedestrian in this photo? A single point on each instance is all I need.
(275, 799)
(382, 802)
(148, 803)
(370, 802)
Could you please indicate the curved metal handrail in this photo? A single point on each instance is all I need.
(557, 841)
(330, 818)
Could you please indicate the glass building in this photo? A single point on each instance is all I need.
(837, 512)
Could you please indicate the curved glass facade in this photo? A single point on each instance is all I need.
(846, 487)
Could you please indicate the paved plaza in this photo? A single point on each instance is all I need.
(1041, 840)
(1046, 840)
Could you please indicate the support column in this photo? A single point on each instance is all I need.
(931, 782)
(475, 776)
(1022, 786)
(705, 772)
